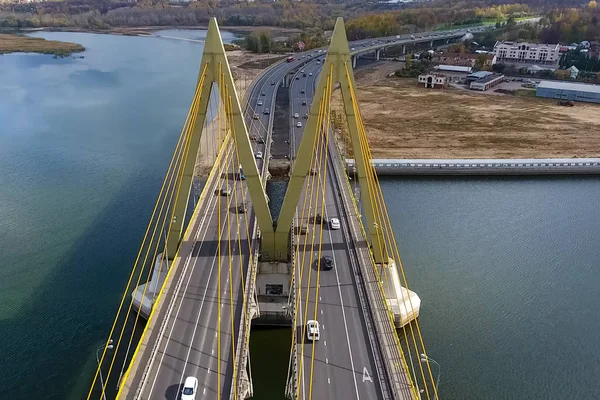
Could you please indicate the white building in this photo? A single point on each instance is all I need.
(527, 52)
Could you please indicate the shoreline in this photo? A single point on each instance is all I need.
(146, 30)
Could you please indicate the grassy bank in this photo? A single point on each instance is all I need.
(24, 44)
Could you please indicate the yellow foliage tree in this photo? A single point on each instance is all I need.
(592, 4)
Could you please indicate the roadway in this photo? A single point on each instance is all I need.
(185, 340)
(344, 365)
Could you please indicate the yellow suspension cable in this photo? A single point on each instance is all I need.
(307, 297)
(325, 130)
(190, 128)
(179, 145)
(298, 293)
(229, 118)
(388, 234)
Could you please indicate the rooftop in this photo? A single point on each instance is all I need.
(479, 74)
(454, 68)
(582, 87)
(489, 78)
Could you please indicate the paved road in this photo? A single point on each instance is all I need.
(344, 366)
(186, 338)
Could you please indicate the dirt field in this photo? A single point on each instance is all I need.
(404, 120)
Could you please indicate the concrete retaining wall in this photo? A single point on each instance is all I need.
(525, 166)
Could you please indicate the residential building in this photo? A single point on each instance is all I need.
(569, 91)
(527, 52)
(434, 81)
(487, 82)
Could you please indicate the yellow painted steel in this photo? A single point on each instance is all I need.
(338, 55)
(215, 61)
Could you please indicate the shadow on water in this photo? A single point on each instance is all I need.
(56, 327)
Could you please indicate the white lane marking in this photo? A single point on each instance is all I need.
(319, 298)
(326, 360)
(326, 343)
(321, 310)
(337, 277)
(209, 370)
(328, 381)
(366, 376)
(204, 391)
(212, 352)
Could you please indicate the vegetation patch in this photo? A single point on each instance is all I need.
(25, 44)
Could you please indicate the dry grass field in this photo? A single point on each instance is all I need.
(404, 120)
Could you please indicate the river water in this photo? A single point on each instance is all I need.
(507, 268)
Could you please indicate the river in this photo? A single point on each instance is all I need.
(507, 268)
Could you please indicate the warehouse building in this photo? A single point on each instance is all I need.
(569, 91)
(487, 82)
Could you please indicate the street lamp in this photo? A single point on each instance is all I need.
(110, 346)
(425, 359)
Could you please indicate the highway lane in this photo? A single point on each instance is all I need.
(344, 366)
(186, 339)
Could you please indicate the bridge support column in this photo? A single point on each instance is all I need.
(377, 54)
(431, 44)
(215, 72)
(403, 49)
(274, 246)
(338, 62)
(354, 61)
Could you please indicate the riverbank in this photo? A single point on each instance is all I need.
(404, 120)
(147, 30)
(10, 43)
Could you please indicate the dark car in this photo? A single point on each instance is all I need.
(303, 102)
(242, 208)
(260, 140)
(297, 78)
(304, 75)
(263, 94)
(302, 92)
(318, 219)
(266, 112)
(326, 263)
(272, 83)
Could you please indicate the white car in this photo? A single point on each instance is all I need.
(189, 388)
(312, 329)
(310, 74)
(335, 223)
(299, 124)
(259, 155)
(260, 103)
(296, 115)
